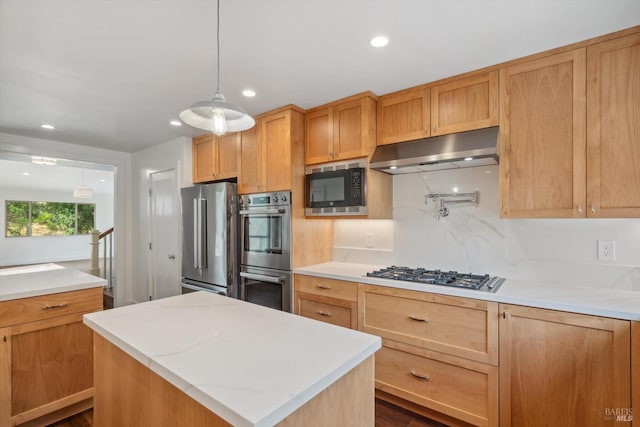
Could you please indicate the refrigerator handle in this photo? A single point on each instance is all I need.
(196, 234)
(203, 234)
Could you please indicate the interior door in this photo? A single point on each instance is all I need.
(165, 235)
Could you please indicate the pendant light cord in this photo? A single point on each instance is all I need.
(218, 40)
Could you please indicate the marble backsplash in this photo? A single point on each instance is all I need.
(473, 237)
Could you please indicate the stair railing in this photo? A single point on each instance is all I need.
(106, 238)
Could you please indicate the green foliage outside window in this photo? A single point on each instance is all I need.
(48, 218)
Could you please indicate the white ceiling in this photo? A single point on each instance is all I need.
(54, 178)
(112, 73)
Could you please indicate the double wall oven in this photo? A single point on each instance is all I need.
(265, 239)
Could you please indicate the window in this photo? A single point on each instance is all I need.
(48, 218)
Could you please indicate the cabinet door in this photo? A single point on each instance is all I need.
(318, 136)
(204, 158)
(542, 136)
(228, 155)
(348, 132)
(276, 155)
(465, 104)
(613, 131)
(562, 369)
(250, 170)
(403, 116)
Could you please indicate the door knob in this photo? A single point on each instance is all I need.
(172, 256)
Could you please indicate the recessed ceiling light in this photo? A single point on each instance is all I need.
(249, 93)
(103, 180)
(26, 173)
(468, 159)
(379, 41)
(455, 189)
(47, 126)
(393, 167)
(175, 123)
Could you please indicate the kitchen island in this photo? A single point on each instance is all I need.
(204, 359)
(46, 352)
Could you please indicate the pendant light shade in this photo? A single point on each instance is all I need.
(217, 115)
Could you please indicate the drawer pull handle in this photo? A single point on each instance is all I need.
(48, 307)
(324, 313)
(418, 319)
(419, 376)
(323, 287)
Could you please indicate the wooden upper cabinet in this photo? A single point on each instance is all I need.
(215, 158)
(403, 116)
(266, 155)
(250, 176)
(613, 128)
(465, 104)
(542, 137)
(562, 369)
(344, 129)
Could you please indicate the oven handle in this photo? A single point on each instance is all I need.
(262, 278)
(261, 211)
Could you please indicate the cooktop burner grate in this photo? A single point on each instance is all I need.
(436, 277)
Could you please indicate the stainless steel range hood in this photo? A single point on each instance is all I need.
(465, 149)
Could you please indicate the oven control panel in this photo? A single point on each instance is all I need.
(278, 198)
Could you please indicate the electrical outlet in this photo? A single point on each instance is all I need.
(369, 239)
(606, 250)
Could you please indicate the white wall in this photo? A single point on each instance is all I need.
(28, 250)
(122, 163)
(175, 154)
(473, 238)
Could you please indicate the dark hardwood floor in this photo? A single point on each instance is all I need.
(387, 415)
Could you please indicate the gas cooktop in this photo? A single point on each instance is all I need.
(436, 277)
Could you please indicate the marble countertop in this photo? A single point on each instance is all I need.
(44, 279)
(249, 364)
(603, 301)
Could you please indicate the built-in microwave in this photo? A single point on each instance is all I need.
(336, 189)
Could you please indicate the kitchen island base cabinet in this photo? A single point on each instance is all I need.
(46, 357)
(128, 393)
(562, 369)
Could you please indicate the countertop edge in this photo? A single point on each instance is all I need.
(313, 270)
(48, 291)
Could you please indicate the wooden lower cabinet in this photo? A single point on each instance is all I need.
(46, 364)
(460, 388)
(562, 369)
(328, 300)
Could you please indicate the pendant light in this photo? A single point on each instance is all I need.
(217, 115)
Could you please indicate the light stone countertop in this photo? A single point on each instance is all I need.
(249, 364)
(605, 301)
(44, 279)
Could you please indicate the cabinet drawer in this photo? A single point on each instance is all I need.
(25, 310)
(327, 287)
(459, 326)
(465, 392)
(325, 312)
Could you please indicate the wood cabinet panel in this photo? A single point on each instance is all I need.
(276, 139)
(318, 136)
(559, 368)
(215, 157)
(458, 326)
(404, 116)
(204, 158)
(327, 287)
(50, 364)
(465, 104)
(542, 128)
(251, 176)
(348, 139)
(228, 146)
(329, 310)
(613, 128)
(458, 388)
(15, 312)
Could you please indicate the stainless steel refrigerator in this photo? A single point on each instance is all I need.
(210, 250)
